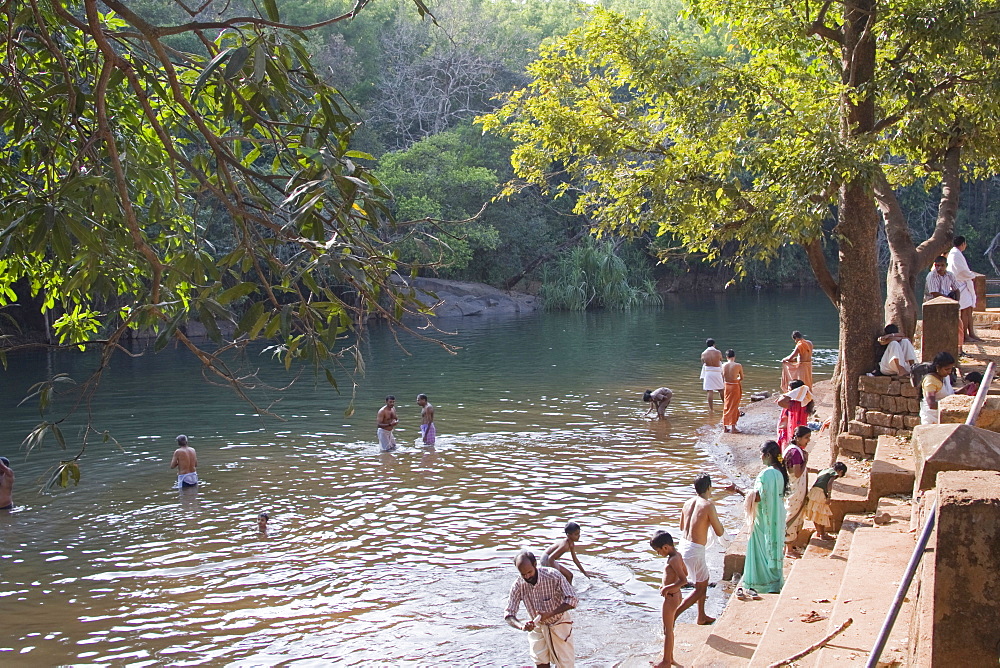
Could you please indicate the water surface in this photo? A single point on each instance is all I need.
(398, 558)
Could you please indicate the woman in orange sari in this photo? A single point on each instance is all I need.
(802, 367)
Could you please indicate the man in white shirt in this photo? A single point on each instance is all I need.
(967, 294)
(940, 282)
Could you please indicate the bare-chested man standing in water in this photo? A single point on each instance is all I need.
(186, 462)
(428, 434)
(711, 372)
(386, 422)
(697, 516)
(6, 484)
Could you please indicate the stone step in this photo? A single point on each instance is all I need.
(849, 495)
(875, 565)
(893, 470)
(736, 632)
(812, 585)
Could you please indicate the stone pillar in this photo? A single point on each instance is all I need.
(980, 283)
(965, 583)
(940, 328)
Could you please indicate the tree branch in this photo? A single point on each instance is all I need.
(820, 267)
(944, 226)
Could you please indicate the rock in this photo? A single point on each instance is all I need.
(896, 421)
(894, 388)
(878, 419)
(907, 390)
(859, 413)
(889, 404)
(859, 428)
(870, 445)
(940, 328)
(852, 444)
(911, 421)
(913, 406)
(874, 384)
(884, 518)
(955, 410)
(952, 447)
(459, 298)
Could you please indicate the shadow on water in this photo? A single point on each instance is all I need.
(376, 557)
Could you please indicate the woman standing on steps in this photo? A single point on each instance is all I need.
(766, 517)
(793, 459)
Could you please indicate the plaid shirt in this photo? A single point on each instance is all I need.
(548, 593)
(937, 283)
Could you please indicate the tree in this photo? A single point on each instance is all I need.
(810, 116)
(113, 145)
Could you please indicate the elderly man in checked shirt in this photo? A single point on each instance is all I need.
(548, 597)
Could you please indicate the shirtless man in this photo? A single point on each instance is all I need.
(6, 484)
(697, 515)
(711, 372)
(732, 374)
(386, 422)
(186, 462)
(427, 430)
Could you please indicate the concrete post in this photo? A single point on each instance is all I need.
(940, 328)
(980, 282)
(965, 584)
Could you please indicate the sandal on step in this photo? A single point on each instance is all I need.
(741, 594)
(752, 593)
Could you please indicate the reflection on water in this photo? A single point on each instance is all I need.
(376, 557)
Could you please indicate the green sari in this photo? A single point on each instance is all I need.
(765, 549)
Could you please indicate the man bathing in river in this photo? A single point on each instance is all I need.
(386, 423)
(186, 462)
(6, 484)
(697, 515)
(658, 400)
(427, 431)
(711, 372)
(548, 597)
(560, 547)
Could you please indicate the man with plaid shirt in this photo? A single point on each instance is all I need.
(548, 598)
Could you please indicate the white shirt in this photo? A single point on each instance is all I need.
(960, 268)
(941, 284)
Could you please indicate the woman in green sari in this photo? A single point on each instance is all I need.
(766, 516)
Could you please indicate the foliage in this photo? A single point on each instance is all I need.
(114, 143)
(596, 274)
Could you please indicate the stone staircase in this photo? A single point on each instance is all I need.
(856, 576)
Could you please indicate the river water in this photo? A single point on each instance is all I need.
(375, 558)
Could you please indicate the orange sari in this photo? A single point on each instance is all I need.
(731, 413)
(801, 369)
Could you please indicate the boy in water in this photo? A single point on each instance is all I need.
(427, 431)
(186, 462)
(6, 484)
(262, 522)
(559, 548)
(674, 577)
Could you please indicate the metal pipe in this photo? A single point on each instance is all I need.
(897, 603)
(980, 400)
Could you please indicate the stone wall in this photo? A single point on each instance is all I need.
(889, 407)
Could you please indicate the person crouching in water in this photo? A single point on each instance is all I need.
(658, 399)
(560, 547)
(697, 516)
(818, 503)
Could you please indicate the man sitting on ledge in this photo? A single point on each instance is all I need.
(899, 356)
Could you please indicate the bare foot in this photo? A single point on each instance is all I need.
(725, 430)
(824, 536)
(706, 621)
(736, 431)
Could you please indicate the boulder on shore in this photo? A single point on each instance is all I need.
(451, 299)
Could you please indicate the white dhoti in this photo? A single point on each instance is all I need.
(553, 644)
(386, 441)
(694, 558)
(899, 356)
(187, 479)
(711, 378)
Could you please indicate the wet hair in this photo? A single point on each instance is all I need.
(840, 467)
(941, 258)
(798, 382)
(263, 516)
(958, 241)
(974, 377)
(891, 329)
(661, 538)
(702, 483)
(709, 342)
(6, 462)
(796, 334)
(801, 431)
(421, 396)
(943, 358)
(730, 353)
(389, 396)
(571, 527)
(773, 451)
(182, 440)
(647, 395)
(524, 555)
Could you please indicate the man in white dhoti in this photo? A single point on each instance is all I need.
(899, 356)
(697, 516)
(711, 373)
(548, 597)
(967, 292)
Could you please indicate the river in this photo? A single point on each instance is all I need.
(374, 558)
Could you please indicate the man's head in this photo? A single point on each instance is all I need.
(525, 564)
(941, 264)
(959, 243)
(710, 343)
(891, 329)
(798, 382)
(796, 335)
(647, 396)
(572, 530)
(6, 462)
(390, 401)
(730, 354)
(702, 483)
(421, 400)
(662, 543)
(262, 521)
(182, 441)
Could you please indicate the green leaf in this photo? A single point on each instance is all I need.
(236, 292)
(209, 69)
(271, 7)
(330, 379)
(236, 62)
